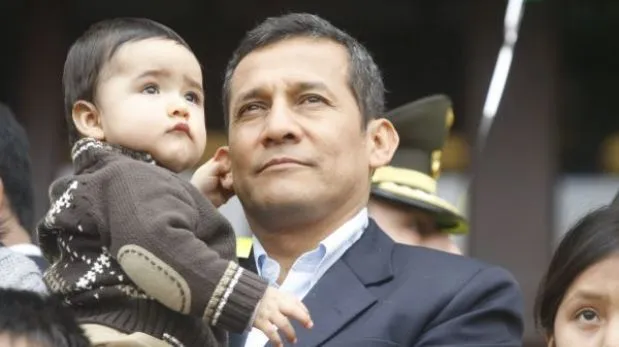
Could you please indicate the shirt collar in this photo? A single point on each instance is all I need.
(26, 249)
(337, 239)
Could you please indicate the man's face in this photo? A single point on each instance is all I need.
(297, 141)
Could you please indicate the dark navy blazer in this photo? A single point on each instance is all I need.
(381, 293)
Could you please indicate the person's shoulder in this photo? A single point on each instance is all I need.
(61, 185)
(439, 258)
(417, 262)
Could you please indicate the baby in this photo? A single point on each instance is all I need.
(138, 253)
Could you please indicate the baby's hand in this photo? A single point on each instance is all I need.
(273, 312)
(214, 179)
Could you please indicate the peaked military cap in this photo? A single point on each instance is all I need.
(411, 178)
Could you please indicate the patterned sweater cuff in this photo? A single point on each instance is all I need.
(238, 303)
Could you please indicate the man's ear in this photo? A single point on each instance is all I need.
(382, 142)
(87, 120)
(222, 156)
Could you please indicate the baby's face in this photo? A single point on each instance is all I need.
(150, 98)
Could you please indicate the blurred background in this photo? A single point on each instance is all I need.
(552, 153)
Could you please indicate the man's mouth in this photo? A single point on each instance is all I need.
(281, 162)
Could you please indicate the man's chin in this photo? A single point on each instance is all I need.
(280, 217)
(282, 203)
(287, 201)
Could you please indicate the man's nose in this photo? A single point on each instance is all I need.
(282, 124)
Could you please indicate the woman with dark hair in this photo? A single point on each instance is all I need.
(578, 299)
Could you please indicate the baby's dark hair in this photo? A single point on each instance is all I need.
(96, 47)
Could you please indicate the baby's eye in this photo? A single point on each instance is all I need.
(150, 89)
(192, 97)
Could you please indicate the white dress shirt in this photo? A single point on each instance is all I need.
(309, 267)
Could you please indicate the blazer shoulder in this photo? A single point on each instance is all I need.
(416, 262)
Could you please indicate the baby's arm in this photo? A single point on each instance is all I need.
(150, 219)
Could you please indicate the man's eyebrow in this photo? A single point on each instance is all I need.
(304, 86)
(254, 93)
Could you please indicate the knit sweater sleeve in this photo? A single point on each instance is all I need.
(150, 221)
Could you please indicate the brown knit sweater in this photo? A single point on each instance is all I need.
(135, 247)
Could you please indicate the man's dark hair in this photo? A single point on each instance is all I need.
(96, 47)
(39, 320)
(15, 168)
(364, 76)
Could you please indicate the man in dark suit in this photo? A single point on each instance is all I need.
(16, 196)
(403, 200)
(303, 103)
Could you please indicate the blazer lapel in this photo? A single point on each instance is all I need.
(249, 263)
(237, 340)
(342, 293)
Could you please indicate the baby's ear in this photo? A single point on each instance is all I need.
(87, 120)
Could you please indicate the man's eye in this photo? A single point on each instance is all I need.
(249, 109)
(312, 99)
